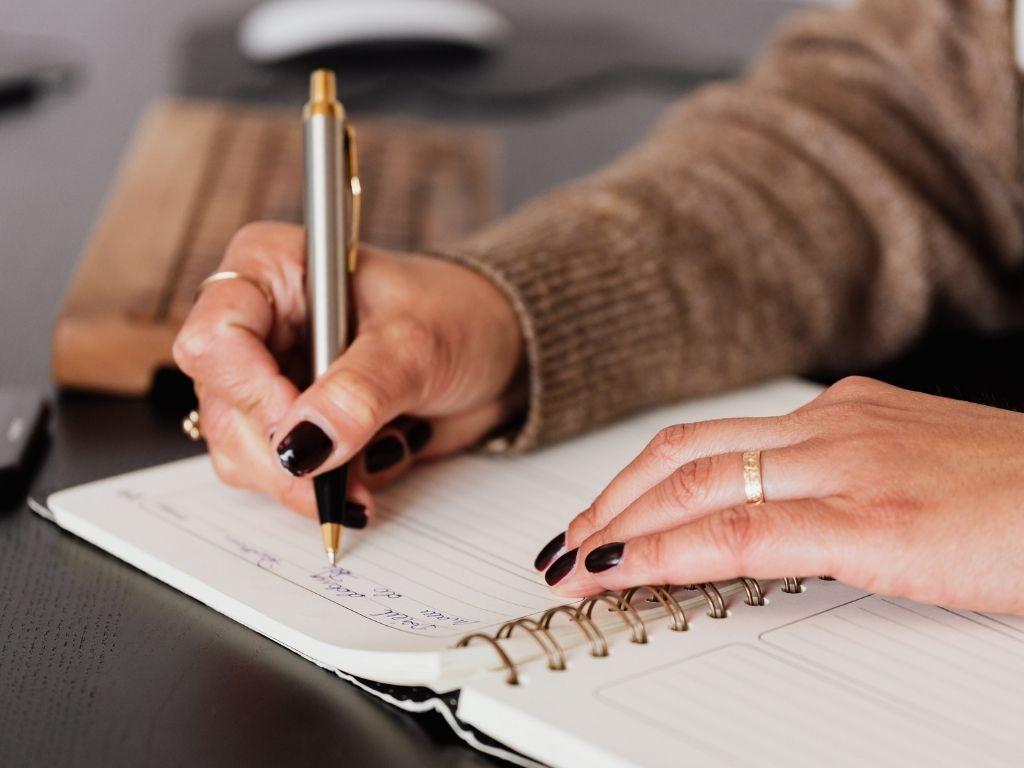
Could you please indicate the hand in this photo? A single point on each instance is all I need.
(887, 490)
(438, 346)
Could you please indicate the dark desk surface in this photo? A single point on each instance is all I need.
(100, 665)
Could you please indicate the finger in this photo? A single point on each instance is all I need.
(389, 454)
(233, 442)
(703, 487)
(468, 429)
(239, 456)
(380, 376)
(222, 344)
(769, 540)
(272, 255)
(674, 447)
(224, 355)
(410, 439)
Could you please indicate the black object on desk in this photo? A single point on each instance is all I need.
(29, 67)
(23, 418)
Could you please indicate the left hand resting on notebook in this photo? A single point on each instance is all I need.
(888, 490)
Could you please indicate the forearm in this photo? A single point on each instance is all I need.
(811, 216)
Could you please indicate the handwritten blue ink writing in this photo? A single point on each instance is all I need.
(403, 620)
(332, 580)
(455, 621)
(263, 559)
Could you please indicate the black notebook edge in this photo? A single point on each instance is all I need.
(417, 699)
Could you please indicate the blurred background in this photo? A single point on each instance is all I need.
(566, 87)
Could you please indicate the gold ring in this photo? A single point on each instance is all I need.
(220, 277)
(191, 427)
(753, 486)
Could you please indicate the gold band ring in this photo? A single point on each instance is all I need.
(753, 486)
(220, 277)
(191, 427)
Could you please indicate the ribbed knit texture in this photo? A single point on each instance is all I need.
(863, 181)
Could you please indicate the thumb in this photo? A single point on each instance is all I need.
(376, 379)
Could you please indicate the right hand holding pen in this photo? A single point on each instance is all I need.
(431, 371)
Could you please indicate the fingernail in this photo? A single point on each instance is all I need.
(355, 515)
(384, 453)
(604, 557)
(561, 567)
(304, 449)
(418, 434)
(548, 553)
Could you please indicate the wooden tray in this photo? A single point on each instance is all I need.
(195, 173)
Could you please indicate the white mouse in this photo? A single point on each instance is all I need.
(282, 29)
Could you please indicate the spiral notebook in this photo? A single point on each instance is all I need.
(436, 606)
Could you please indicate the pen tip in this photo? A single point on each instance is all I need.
(331, 533)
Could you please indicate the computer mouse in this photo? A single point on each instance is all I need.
(285, 29)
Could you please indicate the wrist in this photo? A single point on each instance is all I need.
(492, 310)
(500, 334)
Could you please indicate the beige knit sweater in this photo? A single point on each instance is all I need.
(862, 182)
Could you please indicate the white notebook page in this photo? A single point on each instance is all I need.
(449, 553)
(831, 676)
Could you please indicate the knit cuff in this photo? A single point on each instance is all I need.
(593, 323)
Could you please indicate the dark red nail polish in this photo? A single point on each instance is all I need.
(604, 557)
(550, 551)
(561, 567)
(383, 454)
(418, 434)
(304, 449)
(355, 515)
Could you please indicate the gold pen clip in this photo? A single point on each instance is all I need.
(356, 187)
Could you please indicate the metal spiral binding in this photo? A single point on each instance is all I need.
(715, 601)
(511, 677)
(543, 638)
(628, 614)
(791, 585)
(663, 596)
(598, 644)
(755, 594)
(620, 605)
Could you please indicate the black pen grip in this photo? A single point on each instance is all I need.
(331, 489)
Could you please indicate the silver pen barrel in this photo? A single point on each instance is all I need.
(326, 275)
(327, 272)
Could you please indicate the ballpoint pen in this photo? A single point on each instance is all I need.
(331, 204)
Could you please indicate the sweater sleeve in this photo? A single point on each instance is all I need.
(860, 183)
